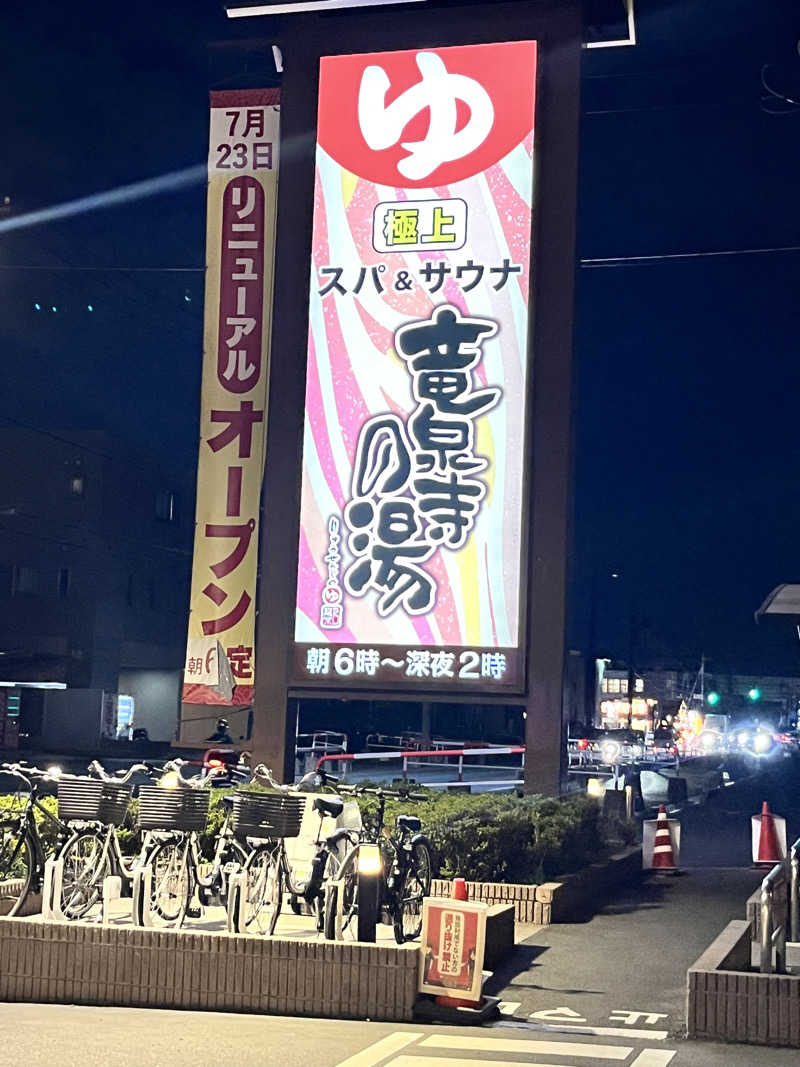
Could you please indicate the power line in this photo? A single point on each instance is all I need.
(126, 463)
(619, 261)
(101, 270)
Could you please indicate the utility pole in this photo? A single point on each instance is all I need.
(631, 670)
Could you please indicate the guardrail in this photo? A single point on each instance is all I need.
(773, 934)
(438, 757)
(777, 929)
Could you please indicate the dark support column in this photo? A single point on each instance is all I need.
(273, 720)
(425, 726)
(554, 282)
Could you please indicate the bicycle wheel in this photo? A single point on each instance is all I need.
(172, 881)
(264, 889)
(85, 865)
(330, 873)
(416, 886)
(16, 865)
(231, 860)
(348, 876)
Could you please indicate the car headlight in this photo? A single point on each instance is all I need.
(762, 742)
(610, 751)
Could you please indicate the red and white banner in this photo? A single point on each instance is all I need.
(240, 245)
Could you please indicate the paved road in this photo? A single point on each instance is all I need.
(40, 1035)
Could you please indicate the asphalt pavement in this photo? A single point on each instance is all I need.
(38, 1035)
(624, 969)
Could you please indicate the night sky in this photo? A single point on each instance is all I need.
(687, 369)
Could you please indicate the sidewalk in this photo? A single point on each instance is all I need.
(632, 956)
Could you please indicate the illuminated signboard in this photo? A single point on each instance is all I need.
(411, 556)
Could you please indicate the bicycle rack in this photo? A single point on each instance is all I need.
(142, 895)
(114, 905)
(51, 889)
(334, 898)
(237, 898)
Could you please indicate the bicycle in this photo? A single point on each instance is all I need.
(406, 868)
(175, 814)
(22, 852)
(95, 809)
(269, 872)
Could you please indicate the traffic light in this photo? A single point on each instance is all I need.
(754, 694)
(713, 699)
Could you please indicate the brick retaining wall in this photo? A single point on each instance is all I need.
(554, 901)
(728, 1001)
(76, 963)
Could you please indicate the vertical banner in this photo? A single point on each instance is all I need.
(240, 243)
(412, 553)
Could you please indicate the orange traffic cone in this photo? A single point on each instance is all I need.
(459, 890)
(769, 849)
(663, 856)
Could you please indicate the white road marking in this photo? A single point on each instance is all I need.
(380, 1050)
(530, 1047)
(460, 1061)
(557, 1015)
(601, 1031)
(653, 1057)
(508, 1007)
(631, 1018)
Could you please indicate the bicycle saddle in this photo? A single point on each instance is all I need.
(409, 822)
(339, 835)
(328, 806)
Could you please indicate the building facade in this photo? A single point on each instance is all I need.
(95, 555)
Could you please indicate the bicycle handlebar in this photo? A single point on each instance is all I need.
(97, 769)
(27, 773)
(378, 791)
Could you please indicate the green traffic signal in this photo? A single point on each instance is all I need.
(754, 694)
(712, 699)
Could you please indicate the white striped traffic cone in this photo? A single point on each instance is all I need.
(663, 855)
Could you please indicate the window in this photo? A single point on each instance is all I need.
(63, 581)
(623, 685)
(26, 580)
(613, 685)
(640, 685)
(604, 685)
(77, 484)
(165, 506)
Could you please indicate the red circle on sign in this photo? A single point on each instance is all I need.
(507, 73)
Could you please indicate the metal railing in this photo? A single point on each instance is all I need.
(773, 933)
(777, 929)
(449, 763)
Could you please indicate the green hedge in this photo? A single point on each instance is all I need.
(488, 837)
(494, 837)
